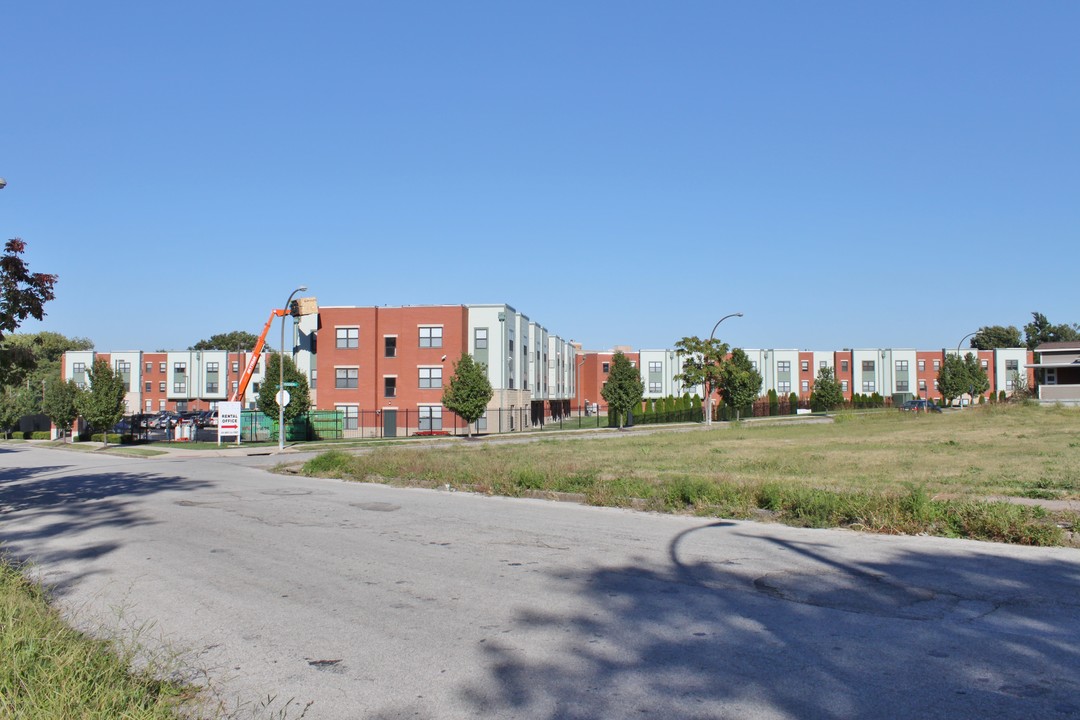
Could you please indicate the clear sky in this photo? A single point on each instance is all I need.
(847, 174)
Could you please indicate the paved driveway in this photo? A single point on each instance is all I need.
(374, 602)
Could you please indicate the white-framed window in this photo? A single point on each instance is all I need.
(430, 377)
(805, 386)
(654, 387)
(805, 365)
(753, 365)
(901, 386)
(605, 367)
(430, 418)
(161, 404)
(236, 366)
(161, 368)
(783, 387)
(937, 364)
(149, 368)
(1009, 384)
(161, 386)
(922, 386)
(1050, 377)
(868, 366)
(431, 336)
(823, 364)
(149, 405)
(1012, 365)
(346, 377)
(922, 366)
(148, 386)
(843, 386)
(985, 364)
(901, 366)
(843, 366)
(348, 338)
(654, 366)
(783, 366)
(868, 386)
(179, 387)
(480, 338)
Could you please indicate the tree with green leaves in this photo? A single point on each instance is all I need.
(977, 382)
(237, 340)
(23, 294)
(14, 404)
(702, 360)
(1040, 330)
(102, 405)
(61, 403)
(469, 391)
(952, 380)
(299, 395)
(740, 383)
(990, 337)
(30, 358)
(623, 390)
(828, 393)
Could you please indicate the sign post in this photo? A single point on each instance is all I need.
(228, 421)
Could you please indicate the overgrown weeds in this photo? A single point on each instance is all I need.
(883, 472)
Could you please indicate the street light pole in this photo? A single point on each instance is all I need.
(281, 371)
(708, 386)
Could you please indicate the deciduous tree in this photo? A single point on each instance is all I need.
(827, 394)
(469, 391)
(102, 405)
(990, 337)
(1040, 330)
(977, 382)
(61, 403)
(740, 383)
(624, 389)
(952, 378)
(23, 294)
(702, 360)
(235, 340)
(299, 396)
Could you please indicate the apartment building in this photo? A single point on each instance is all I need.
(175, 380)
(863, 371)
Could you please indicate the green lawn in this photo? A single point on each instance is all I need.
(886, 471)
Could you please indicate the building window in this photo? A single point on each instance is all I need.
(805, 386)
(1012, 365)
(235, 385)
(314, 379)
(147, 386)
(783, 387)
(390, 346)
(654, 387)
(179, 368)
(480, 338)
(236, 366)
(149, 368)
(78, 368)
(211, 388)
(843, 386)
(348, 338)
(430, 337)
(161, 368)
(179, 387)
(868, 366)
(161, 404)
(985, 364)
(350, 415)
(822, 364)
(753, 364)
(868, 386)
(922, 366)
(430, 418)
(212, 379)
(430, 377)
(937, 364)
(161, 386)
(901, 366)
(922, 386)
(843, 366)
(1051, 376)
(606, 367)
(654, 367)
(805, 365)
(123, 369)
(1009, 384)
(390, 387)
(346, 378)
(783, 366)
(901, 386)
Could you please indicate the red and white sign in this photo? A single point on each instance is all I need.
(228, 420)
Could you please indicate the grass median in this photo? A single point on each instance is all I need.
(887, 472)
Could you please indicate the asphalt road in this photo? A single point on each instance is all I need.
(374, 602)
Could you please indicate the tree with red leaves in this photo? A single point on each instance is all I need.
(22, 294)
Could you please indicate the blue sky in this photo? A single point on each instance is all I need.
(847, 174)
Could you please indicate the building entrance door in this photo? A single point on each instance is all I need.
(389, 423)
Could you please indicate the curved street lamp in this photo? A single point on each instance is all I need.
(708, 388)
(281, 370)
(960, 358)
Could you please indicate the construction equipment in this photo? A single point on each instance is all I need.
(298, 307)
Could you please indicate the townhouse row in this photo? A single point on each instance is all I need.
(385, 368)
(885, 371)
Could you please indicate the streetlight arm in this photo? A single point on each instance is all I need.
(281, 370)
(713, 333)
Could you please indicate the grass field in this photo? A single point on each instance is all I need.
(886, 472)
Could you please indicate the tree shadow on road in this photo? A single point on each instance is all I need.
(38, 504)
(926, 634)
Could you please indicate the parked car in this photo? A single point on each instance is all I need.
(920, 406)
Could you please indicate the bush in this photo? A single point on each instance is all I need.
(114, 439)
(793, 404)
(40, 435)
(1001, 396)
(774, 403)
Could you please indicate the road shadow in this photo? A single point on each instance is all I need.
(923, 635)
(44, 503)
